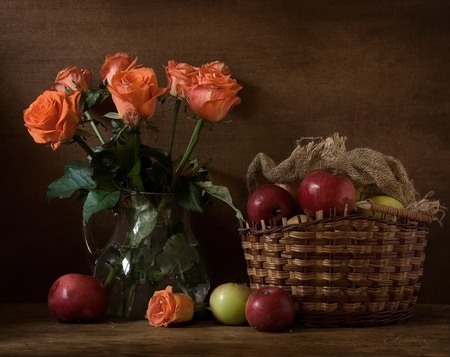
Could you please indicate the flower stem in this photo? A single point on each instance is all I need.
(136, 177)
(174, 124)
(94, 126)
(131, 296)
(190, 148)
(115, 269)
(83, 145)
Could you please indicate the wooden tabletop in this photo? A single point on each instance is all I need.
(28, 330)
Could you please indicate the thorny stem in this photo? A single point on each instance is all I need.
(94, 127)
(83, 145)
(190, 148)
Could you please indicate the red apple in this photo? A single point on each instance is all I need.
(77, 298)
(270, 203)
(270, 308)
(324, 190)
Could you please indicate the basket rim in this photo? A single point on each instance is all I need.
(417, 216)
(399, 212)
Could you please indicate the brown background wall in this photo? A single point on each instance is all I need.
(375, 71)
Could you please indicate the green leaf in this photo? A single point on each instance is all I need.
(97, 200)
(124, 151)
(105, 170)
(92, 98)
(115, 161)
(177, 256)
(142, 216)
(76, 176)
(153, 275)
(135, 176)
(112, 115)
(155, 178)
(160, 155)
(220, 192)
(189, 196)
(156, 169)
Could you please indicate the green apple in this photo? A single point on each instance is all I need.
(227, 303)
(385, 201)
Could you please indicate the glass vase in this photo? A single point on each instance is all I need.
(151, 247)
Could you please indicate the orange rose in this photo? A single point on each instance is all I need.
(72, 78)
(212, 103)
(181, 77)
(53, 117)
(213, 100)
(215, 66)
(165, 308)
(115, 63)
(216, 92)
(135, 93)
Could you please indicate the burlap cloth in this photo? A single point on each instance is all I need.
(372, 172)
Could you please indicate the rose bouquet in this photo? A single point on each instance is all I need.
(73, 111)
(62, 115)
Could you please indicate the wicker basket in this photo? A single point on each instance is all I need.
(344, 271)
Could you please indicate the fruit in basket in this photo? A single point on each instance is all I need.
(77, 298)
(270, 308)
(385, 201)
(227, 303)
(270, 203)
(325, 190)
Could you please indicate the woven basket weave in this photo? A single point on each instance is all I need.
(344, 271)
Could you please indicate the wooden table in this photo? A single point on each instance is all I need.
(28, 330)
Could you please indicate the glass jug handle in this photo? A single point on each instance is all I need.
(93, 249)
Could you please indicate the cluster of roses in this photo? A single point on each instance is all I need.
(65, 112)
(56, 114)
